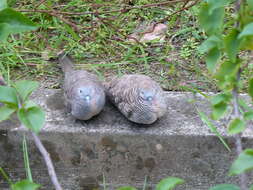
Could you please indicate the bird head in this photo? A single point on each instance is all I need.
(88, 101)
(151, 104)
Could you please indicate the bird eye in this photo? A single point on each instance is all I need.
(80, 91)
(87, 97)
(149, 98)
(146, 96)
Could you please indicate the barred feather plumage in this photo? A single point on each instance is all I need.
(138, 97)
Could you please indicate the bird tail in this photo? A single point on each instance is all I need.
(65, 62)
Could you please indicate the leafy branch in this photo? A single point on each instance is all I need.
(222, 48)
(16, 98)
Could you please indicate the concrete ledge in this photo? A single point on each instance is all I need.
(123, 152)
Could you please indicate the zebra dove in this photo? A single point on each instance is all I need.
(84, 93)
(138, 97)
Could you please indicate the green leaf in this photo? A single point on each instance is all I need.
(251, 187)
(169, 183)
(243, 163)
(236, 126)
(29, 104)
(244, 104)
(219, 105)
(3, 4)
(250, 3)
(214, 4)
(232, 44)
(226, 74)
(25, 88)
(248, 115)
(210, 43)
(227, 68)
(8, 95)
(126, 188)
(212, 58)
(211, 126)
(225, 187)
(211, 23)
(219, 110)
(247, 43)
(250, 90)
(33, 118)
(222, 97)
(5, 112)
(247, 31)
(13, 22)
(25, 185)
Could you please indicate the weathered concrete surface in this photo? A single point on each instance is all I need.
(124, 153)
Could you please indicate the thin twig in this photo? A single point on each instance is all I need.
(182, 9)
(106, 12)
(113, 27)
(154, 25)
(46, 156)
(29, 64)
(237, 114)
(238, 141)
(169, 16)
(185, 3)
(56, 14)
(59, 16)
(158, 4)
(38, 4)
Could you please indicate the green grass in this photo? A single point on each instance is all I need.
(101, 46)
